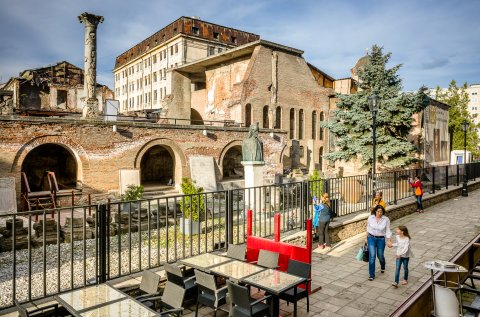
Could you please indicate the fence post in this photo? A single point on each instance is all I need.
(395, 187)
(305, 199)
(229, 218)
(367, 193)
(446, 177)
(433, 179)
(102, 241)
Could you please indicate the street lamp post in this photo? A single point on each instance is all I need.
(374, 104)
(465, 180)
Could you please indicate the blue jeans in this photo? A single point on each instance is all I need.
(399, 263)
(419, 202)
(376, 248)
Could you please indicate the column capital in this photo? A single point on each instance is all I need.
(90, 19)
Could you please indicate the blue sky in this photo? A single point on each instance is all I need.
(436, 41)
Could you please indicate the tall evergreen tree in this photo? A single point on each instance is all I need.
(351, 123)
(457, 98)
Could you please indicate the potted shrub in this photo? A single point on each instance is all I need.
(192, 207)
(131, 196)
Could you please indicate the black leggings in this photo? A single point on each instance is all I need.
(323, 236)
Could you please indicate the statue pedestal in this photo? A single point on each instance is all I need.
(254, 197)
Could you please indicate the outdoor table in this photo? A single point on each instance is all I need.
(236, 270)
(102, 300)
(275, 283)
(125, 307)
(204, 262)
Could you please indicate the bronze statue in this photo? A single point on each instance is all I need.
(252, 149)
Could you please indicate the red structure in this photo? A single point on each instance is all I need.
(287, 251)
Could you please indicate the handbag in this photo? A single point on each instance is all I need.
(359, 256)
(365, 253)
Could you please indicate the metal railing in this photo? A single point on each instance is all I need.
(45, 252)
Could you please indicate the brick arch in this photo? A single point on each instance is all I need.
(180, 162)
(75, 149)
(225, 149)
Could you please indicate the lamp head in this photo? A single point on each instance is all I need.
(464, 125)
(374, 102)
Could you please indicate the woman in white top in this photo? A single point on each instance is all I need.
(378, 230)
(403, 255)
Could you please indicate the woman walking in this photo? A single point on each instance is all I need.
(378, 233)
(403, 255)
(417, 185)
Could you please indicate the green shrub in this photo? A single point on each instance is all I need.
(193, 206)
(316, 184)
(133, 192)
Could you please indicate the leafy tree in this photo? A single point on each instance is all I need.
(457, 98)
(351, 123)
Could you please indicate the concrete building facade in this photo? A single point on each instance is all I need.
(142, 74)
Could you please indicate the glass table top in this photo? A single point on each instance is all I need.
(127, 307)
(91, 296)
(273, 281)
(205, 261)
(236, 269)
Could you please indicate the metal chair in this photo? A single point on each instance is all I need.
(177, 276)
(42, 311)
(237, 251)
(208, 293)
(172, 300)
(302, 270)
(148, 285)
(268, 259)
(242, 305)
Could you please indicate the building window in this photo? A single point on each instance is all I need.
(211, 50)
(320, 158)
(155, 58)
(300, 124)
(220, 50)
(155, 96)
(165, 91)
(314, 125)
(292, 123)
(248, 115)
(176, 48)
(174, 30)
(265, 117)
(322, 118)
(195, 30)
(165, 53)
(216, 35)
(171, 50)
(155, 77)
(278, 118)
(233, 39)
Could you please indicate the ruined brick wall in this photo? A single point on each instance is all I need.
(100, 152)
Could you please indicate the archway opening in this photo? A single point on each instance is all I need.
(195, 117)
(248, 115)
(232, 163)
(53, 158)
(157, 167)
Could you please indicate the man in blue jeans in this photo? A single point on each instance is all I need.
(378, 230)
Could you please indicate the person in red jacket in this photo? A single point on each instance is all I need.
(417, 185)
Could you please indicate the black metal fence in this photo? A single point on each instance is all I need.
(50, 251)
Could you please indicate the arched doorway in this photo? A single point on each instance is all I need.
(157, 166)
(195, 117)
(232, 167)
(50, 157)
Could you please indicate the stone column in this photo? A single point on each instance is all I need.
(254, 197)
(91, 21)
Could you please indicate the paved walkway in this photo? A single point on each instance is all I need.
(439, 233)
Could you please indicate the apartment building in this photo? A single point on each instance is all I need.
(143, 73)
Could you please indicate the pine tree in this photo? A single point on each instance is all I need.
(351, 123)
(457, 98)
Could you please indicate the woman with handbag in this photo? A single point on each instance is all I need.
(378, 232)
(324, 222)
(417, 185)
